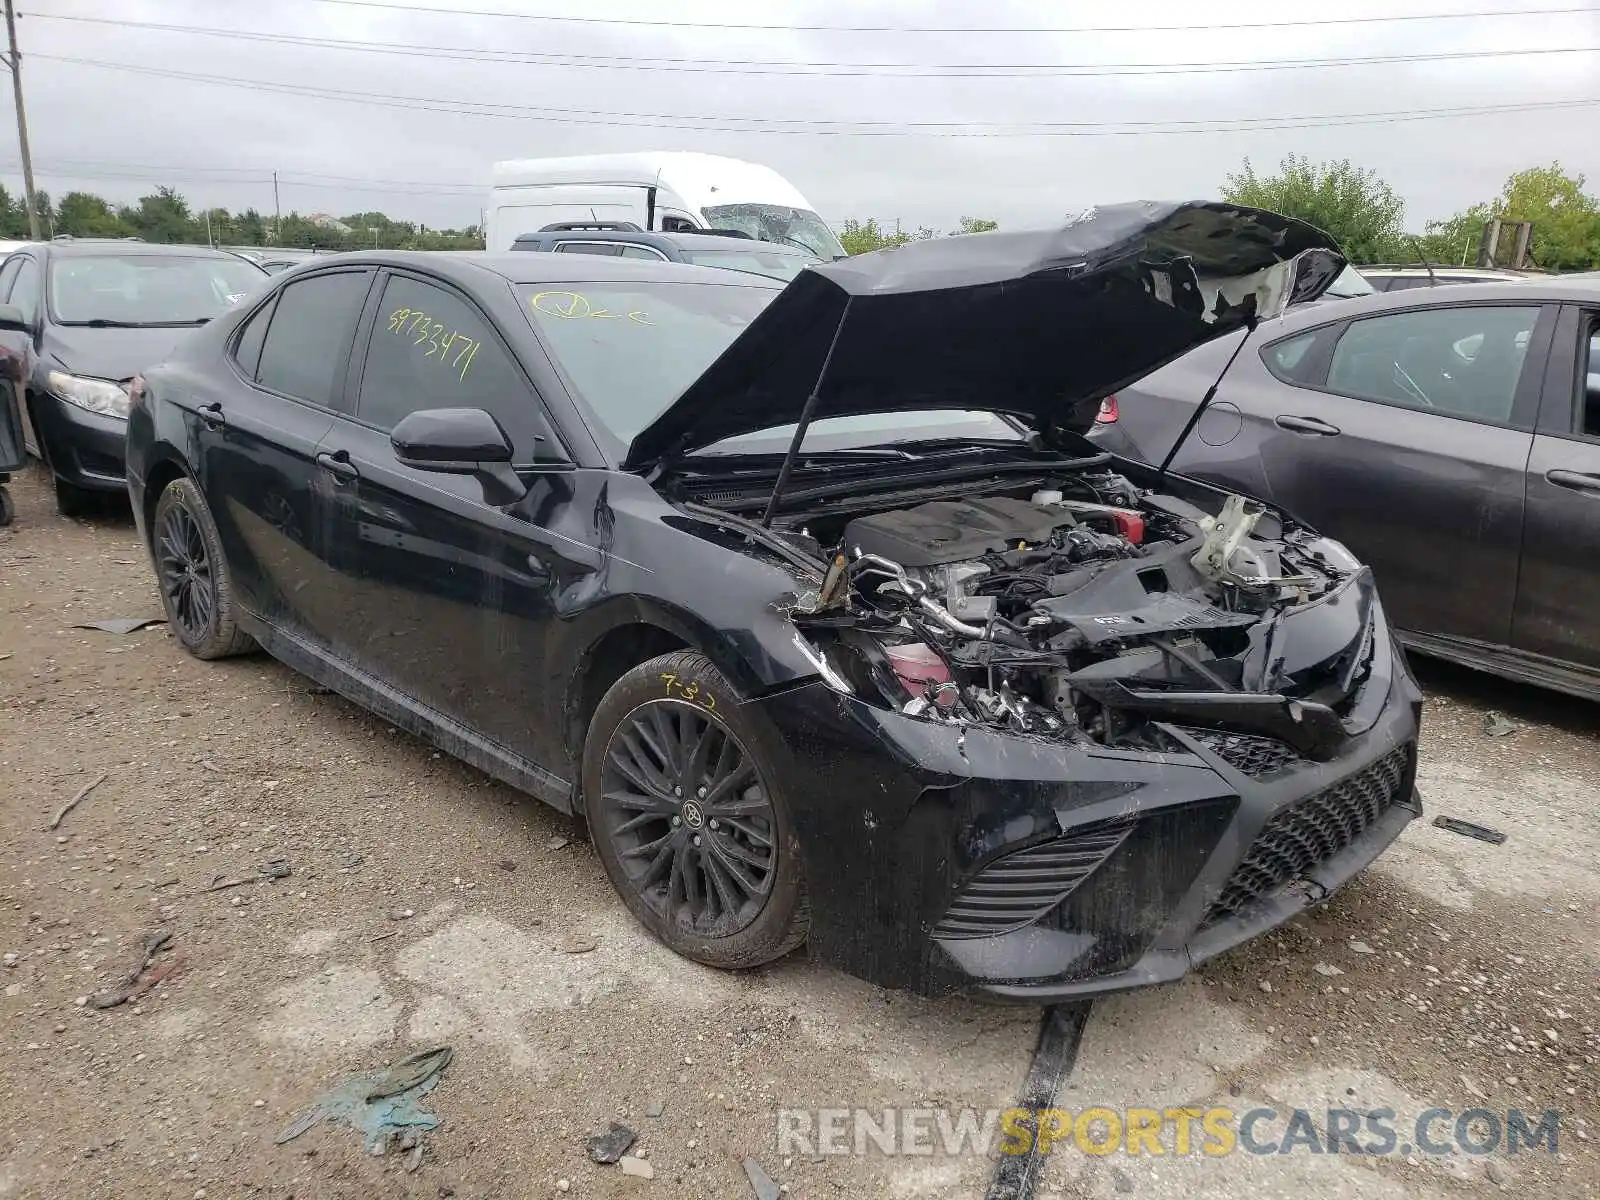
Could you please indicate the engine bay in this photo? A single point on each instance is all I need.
(1084, 611)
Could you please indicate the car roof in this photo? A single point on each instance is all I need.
(467, 267)
(683, 240)
(1533, 289)
(100, 246)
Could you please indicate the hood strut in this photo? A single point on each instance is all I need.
(1211, 394)
(805, 419)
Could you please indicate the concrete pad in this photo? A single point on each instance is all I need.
(340, 1008)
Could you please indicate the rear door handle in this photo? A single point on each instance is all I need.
(1306, 425)
(211, 414)
(1575, 481)
(338, 464)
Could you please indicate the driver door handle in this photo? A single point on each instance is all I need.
(1575, 481)
(1306, 425)
(338, 464)
(211, 414)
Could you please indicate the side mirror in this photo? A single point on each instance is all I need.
(11, 319)
(460, 441)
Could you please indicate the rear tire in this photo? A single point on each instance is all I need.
(681, 793)
(196, 589)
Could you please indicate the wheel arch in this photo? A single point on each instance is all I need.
(634, 630)
(165, 466)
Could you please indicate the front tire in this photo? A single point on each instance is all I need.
(682, 798)
(195, 586)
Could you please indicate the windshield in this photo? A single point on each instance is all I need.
(774, 263)
(147, 289)
(778, 223)
(631, 349)
(1349, 283)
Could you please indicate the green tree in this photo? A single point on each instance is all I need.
(83, 214)
(1358, 209)
(163, 216)
(974, 225)
(1566, 219)
(862, 237)
(13, 217)
(252, 230)
(47, 215)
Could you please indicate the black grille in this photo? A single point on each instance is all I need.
(1312, 831)
(1019, 888)
(1248, 753)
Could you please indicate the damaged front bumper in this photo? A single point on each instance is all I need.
(944, 858)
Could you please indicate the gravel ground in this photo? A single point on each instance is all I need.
(429, 904)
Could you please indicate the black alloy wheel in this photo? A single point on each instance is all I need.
(688, 816)
(183, 567)
(684, 796)
(192, 574)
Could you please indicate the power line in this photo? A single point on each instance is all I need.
(786, 125)
(658, 24)
(720, 66)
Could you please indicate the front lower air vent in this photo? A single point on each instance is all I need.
(1021, 887)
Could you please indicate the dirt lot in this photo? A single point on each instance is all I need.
(428, 904)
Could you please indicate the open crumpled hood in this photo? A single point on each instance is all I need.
(1042, 324)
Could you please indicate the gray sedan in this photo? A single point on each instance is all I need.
(1450, 436)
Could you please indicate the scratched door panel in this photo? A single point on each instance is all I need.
(1431, 503)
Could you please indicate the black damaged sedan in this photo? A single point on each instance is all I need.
(814, 603)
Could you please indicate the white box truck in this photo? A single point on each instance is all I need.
(670, 191)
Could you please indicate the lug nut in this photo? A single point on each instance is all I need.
(697, 839)
(677, 791)
(712, 823)
(677, 820)
(701, 792)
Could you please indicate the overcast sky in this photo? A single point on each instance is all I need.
(118, 133)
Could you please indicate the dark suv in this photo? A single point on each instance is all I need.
(86, 315)
(728, 249)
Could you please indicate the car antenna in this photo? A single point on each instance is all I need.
(1205, 402)
(805, 420)
(1426, 265)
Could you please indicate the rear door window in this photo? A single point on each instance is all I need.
(307, 346)
(1291, 359)
(247, 349)
(1459, 362)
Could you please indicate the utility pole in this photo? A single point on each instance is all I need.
(277, 213)
(15, 63)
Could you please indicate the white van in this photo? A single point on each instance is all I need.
(670, 191)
